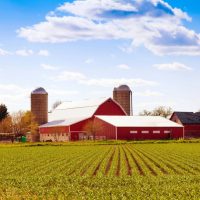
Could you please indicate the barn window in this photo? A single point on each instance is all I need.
(167, 131)
(145, 132)
(133, 132)
(156, 132)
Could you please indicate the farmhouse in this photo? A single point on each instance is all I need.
(190, 121)
(109, 118)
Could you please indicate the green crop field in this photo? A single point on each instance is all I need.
(114, 171)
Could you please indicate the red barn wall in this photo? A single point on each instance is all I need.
(107, 130)
(77, 128)
(57, 129)
(109, 107)
(175, 118)
(124, 133)
(192, 130)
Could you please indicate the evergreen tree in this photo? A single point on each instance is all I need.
(3, 112)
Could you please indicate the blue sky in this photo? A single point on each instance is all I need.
(84, 48)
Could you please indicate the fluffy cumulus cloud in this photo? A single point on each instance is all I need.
(153, 24)
(103, 82)
(175, 66)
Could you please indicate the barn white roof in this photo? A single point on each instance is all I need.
(66, 122)
(75, 109)
(138, 121)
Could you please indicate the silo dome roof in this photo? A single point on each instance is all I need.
(123, 87)
(39, 90)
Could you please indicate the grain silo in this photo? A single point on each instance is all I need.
(123, 95)
(39, 105)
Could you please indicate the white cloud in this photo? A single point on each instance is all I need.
(24, 52)
(48, 67)
(43, 53)
(107, 82)
(173, 67)
(123, 67)
(70, 76)
(103, 82)
(94, 9)
(152, 23)
(176, 50)
(4, 52)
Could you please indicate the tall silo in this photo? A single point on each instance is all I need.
(123, 95)
(39, 105)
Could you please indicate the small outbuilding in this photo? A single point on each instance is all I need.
(190, 121)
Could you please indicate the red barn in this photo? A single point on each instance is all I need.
(68, 120)
(190, 121)
(138, 128)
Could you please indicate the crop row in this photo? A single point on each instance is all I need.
(101, 160)
(129, 171)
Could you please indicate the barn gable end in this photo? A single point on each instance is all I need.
(190, 121)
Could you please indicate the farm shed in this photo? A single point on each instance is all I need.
(190, 121)
(139, 128)
(68, 120)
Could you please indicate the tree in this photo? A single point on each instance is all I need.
(24, 122)
(6, 125)
(145, 113)
(159, 111)
(29, 123)
(162, 111)
(56, 104)
(92, 127)
(3, 112)
(16, 122)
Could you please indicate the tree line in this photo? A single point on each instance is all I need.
(158, 111)
(18, 123)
